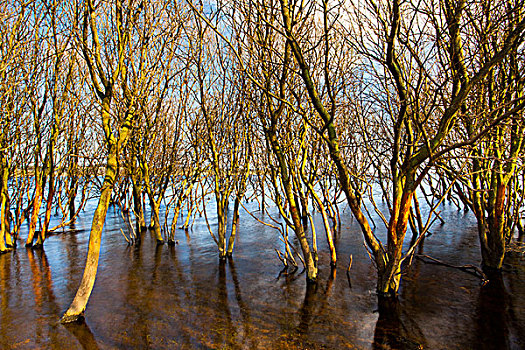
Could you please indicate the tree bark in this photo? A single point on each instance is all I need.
(37, 202)
(155, 208)
(76, 310)
(221, 226)
(493, 249)
(235, 222)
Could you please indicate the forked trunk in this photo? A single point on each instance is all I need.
(388, 280)
(155, 208)
(138, 207)
(173, 227)
(389, 273)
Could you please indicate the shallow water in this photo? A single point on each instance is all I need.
(181, 297)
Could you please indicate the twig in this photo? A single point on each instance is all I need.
(349, 265)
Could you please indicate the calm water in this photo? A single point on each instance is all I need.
(182, 297)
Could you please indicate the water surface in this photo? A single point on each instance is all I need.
(182, 297)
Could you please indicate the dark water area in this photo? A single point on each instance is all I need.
(182, 297)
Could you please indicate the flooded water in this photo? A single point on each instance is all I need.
(182, 297)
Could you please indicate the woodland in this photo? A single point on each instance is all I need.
(387, 108)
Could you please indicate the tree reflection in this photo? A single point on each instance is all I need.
(5, 293)
(80, 330)
(307, 311)
(393, 330)
(45, 301)
(224, 308)
(243, 308)
(492, 313)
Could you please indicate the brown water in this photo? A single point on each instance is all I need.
(181, 297)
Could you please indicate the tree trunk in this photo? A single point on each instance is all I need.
(137, 205)
(311, 267)
(3, 228)
(493, 249)
(173, 227)
(156, 221)
(72, 172)
(71, 198)
(521, 229)
(328, 230)
(235, 222)
(47, 216)
(37, 202)
(389, 275)
(76, 310)
(6, 240)
(221, 227)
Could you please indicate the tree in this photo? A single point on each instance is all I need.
(104, 78)
(415, 147)
(493, 161)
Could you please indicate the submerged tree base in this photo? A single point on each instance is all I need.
(38, 246)
(72, 318)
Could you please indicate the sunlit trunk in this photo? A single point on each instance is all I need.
(185, 191)
(47, 215)
(37, 202)
(3, 229)
(155, 221)
(389, 275)
(221, 226)
(311, 267)
(328, 230)
(173, 227)
(137, 204)
(77, 307)
(6, 240)
(76, 310)
(235, 222)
